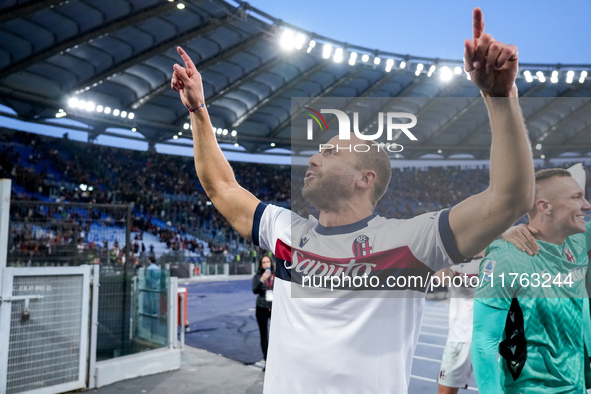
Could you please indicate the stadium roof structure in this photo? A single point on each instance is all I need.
(108, 65)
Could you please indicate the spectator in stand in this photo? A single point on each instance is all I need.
(262, 285)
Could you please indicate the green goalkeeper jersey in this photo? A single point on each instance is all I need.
(543, 345)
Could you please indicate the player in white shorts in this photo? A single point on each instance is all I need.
(342, 343)
(456, 366)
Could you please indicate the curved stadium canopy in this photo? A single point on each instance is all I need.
(84, 56)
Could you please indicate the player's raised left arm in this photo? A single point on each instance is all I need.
(478, 220)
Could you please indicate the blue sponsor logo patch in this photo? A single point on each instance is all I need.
(489, 267)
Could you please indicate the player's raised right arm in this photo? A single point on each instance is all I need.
(215, 174)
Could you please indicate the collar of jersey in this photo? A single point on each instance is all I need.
(345, 229)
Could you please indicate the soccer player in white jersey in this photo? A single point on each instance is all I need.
(365, 345)
(456, 366)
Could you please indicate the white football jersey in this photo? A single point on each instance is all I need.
(353, 339)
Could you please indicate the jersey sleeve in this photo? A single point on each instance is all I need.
(497, 286)
(431, 241)
(588, 235)
(271, 229)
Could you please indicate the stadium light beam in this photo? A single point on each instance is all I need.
(326, 51)
(287, 40)
(338, 55)
(445, 74)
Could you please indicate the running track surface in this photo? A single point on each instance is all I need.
(221, 320)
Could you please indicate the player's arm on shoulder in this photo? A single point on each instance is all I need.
(522, 237)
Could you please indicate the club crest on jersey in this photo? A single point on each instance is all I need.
(489, 267)
(362, 246)
(569, 255)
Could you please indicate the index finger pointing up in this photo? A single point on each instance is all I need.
(477, 23)
(188, 62)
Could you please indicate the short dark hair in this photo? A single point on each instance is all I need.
(376, 159)
(541, 177)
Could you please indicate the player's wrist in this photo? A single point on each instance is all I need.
(510, 93)
(195, 108)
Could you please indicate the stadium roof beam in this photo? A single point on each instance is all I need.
(442, 93)
(454, 119)
(241, 46)
(338, 82)
(280, 92)
(153, 51)
(385, 78)
(486, 125)
(584, 108)
(18, 11)
(124, 21)
(414, 82)
(238, 83)
(584, 130)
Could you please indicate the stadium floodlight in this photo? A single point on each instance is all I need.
(60, 114)
(445, 74)
(528, 77)
(81, 104)
(287, 39)
(234, 133)
(541, 76)
(73, 102)
(338, 55)
(402, 65)
(542, 156)
(124, 114)
(180, 6)
(107, 110)
(299, 41)
(365, 58)
(236, 145)
(225, 132)
(439, 151)
(326, 51)
(389, 65)
(457, 70)
(420, 68)
(538, 146)
(376, 60)
(569, 76)
(186, 126)
(583, 76)
(83, 187)
(176, 137)
(352, 58)
(116, 112)
(99, 108)
(554, 77)
(431, 70)
(130, 115)
(272, 145)
(134, 129)
(180, 133)
(312, 44)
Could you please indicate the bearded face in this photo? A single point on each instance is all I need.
(326, 190)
